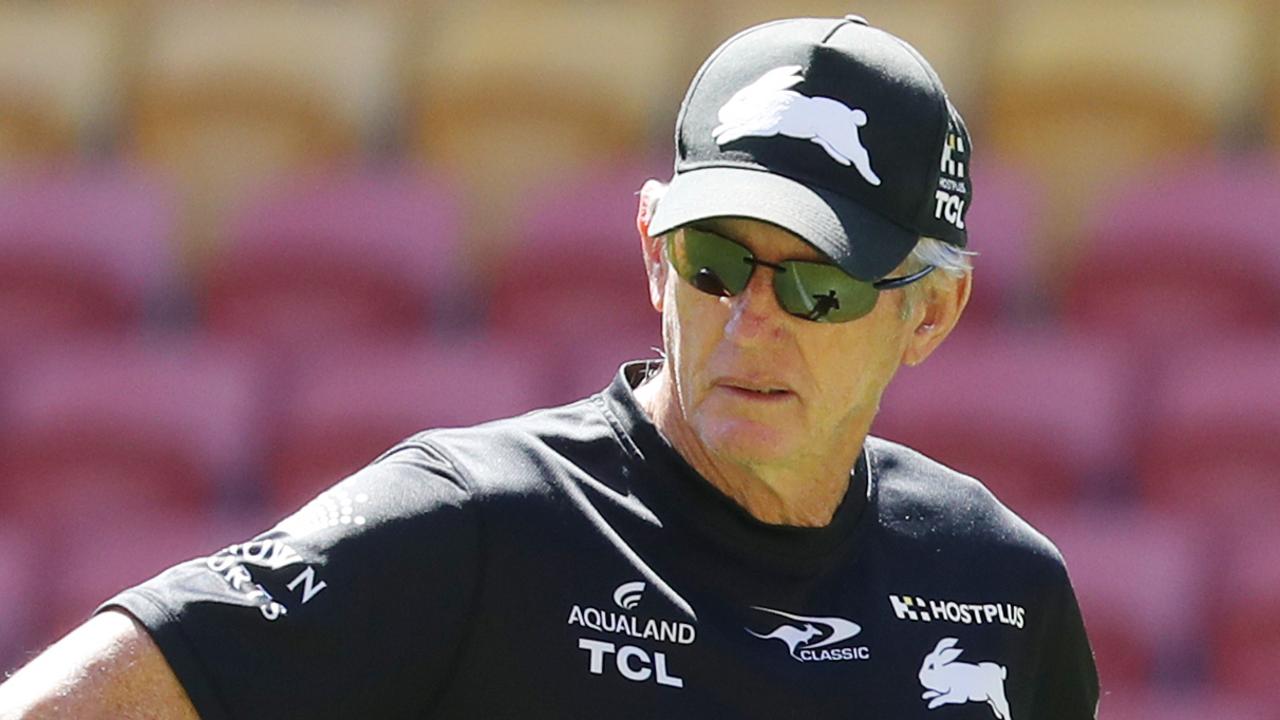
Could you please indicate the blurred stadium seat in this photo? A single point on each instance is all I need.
(103, 554)
(1245, 645)
(1180, 704)
(510, 95)
(335, 257)
(1212, 419)
(1183, 250)
(230, 94)
(1002, 229)
(84, 250)
(575, 272)
(1040, 417)
(61, 80)
(18, 587)
(1157, 80)
(1139, 578)
(346, 405)
(104, 427)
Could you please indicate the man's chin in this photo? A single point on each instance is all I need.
(748, 442)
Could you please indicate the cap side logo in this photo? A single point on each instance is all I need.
(768, 107)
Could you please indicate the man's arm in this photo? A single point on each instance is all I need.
(106, 668)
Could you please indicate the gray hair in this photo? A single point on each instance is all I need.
(951, 262)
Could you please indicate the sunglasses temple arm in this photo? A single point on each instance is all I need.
(897, 282)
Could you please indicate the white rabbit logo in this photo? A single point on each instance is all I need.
(955, 683)
(767, 107)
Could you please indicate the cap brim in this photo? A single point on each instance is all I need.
(867, 245)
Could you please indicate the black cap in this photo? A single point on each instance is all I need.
(829, 128)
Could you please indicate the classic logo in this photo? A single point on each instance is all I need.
(917, 609)
(948, 682)
(768, 107)
(810, 639)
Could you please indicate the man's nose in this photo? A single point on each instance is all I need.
(755, 314)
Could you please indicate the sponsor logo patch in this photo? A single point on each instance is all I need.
(948, 682)
(917, 609)
(632, 662)
(814, 639)
(769, 107)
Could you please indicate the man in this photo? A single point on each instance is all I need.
(715, 534)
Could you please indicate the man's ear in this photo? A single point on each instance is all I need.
(654, 258)
(936, 316)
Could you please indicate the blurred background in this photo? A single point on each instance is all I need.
(246, 246)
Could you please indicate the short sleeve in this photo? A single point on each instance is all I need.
(1068, 688)
(355, 606)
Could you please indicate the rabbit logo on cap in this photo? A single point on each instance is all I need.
(768, 107)
(954, 683)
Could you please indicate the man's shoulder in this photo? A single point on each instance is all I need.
(514, 453)
(917, 492)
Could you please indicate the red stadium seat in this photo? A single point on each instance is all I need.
(103, 554)
(1183, 249)
(82, 250)
(577, 268)
(336, 257)
(124, 425)
(19, 591)
(1245, 638)
(1039, 417)
(344, 409)
(1002, 230)
(1139, 577)
(1180, 704)
(1212, 419)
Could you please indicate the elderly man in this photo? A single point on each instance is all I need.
(713, 535)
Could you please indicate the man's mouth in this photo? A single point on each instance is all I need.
(756, 390)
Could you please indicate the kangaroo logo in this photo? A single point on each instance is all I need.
(954, 683)
(802, 634)
(768, 107)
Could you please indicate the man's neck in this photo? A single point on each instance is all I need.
(803, 492)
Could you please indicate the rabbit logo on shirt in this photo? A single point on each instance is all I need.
(768, 107)
(948, 682)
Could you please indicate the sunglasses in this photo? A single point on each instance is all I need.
(816, 291)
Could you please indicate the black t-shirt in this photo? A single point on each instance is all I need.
(568, 563)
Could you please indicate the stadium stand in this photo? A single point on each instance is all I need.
(553, 87)
(1181, 704)
(83, 250)
(104, 426)
(229, 95)
(18, 585)
(1002, 226)
(61, 81)
(1159, 80)
(346, 405)
(575, 268)
(1184, 247)
(1208, 443)
(329, 257)
(1054, 414)
(144, 542)
(1245, 637)
(1138, 576)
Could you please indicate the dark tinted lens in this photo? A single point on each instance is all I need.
(822, 292)
(711, 263)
